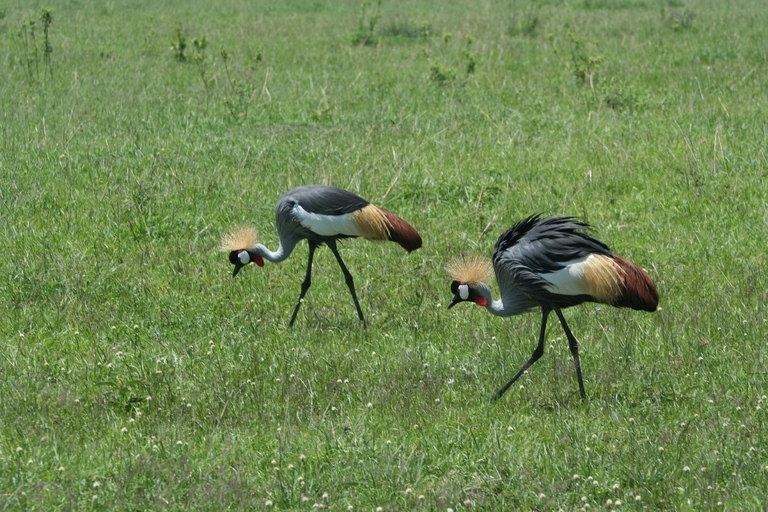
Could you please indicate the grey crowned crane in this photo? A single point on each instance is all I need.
(551, 263)
(320, 215)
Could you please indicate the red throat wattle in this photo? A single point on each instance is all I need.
(259, 261)
(481, 301)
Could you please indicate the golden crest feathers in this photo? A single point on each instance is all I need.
(239, 238)
(469, 269)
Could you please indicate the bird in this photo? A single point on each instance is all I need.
(551, 263)
(320, 215)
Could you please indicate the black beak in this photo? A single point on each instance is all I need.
(456, 300)
(238, 266)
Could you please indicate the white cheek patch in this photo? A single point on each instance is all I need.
(463, 291)
(244, 257)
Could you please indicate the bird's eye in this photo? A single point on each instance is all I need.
(463, 291)
(244, 257)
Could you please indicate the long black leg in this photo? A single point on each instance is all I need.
(534, 357)
(348, 278)
(307, 281)
(574, 346)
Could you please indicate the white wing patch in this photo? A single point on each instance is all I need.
(569, 280)
(327, 225)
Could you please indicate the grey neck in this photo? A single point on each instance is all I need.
(283, 251)
(509, 305)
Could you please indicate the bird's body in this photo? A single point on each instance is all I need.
(321, 215)
(552, 263)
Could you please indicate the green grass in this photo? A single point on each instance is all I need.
(136, 374)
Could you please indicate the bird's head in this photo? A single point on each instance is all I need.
(240, 243)
(469, 274)
(477, 293)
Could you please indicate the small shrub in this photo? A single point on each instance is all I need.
(623, 96)
(365, 33)
(444, 74)
(527, 24)
(402, 28)
(671, 4)
(30, 53)
(677, 15)
(124, 395)
(241, 91)
(440, 73)
(591, 5)
(179, 45)
(199, 59)
(682, 19)
(47, 18)
(29, 50)
(426, 31)
(470, 58)
(106, 53)
(179, 49)
(585, 65)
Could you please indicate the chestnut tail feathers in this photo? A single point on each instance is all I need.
(639, 291)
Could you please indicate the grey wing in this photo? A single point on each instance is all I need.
(324, 200)
(315, 199)
(537, 246)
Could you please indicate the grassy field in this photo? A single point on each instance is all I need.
(136, 374)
